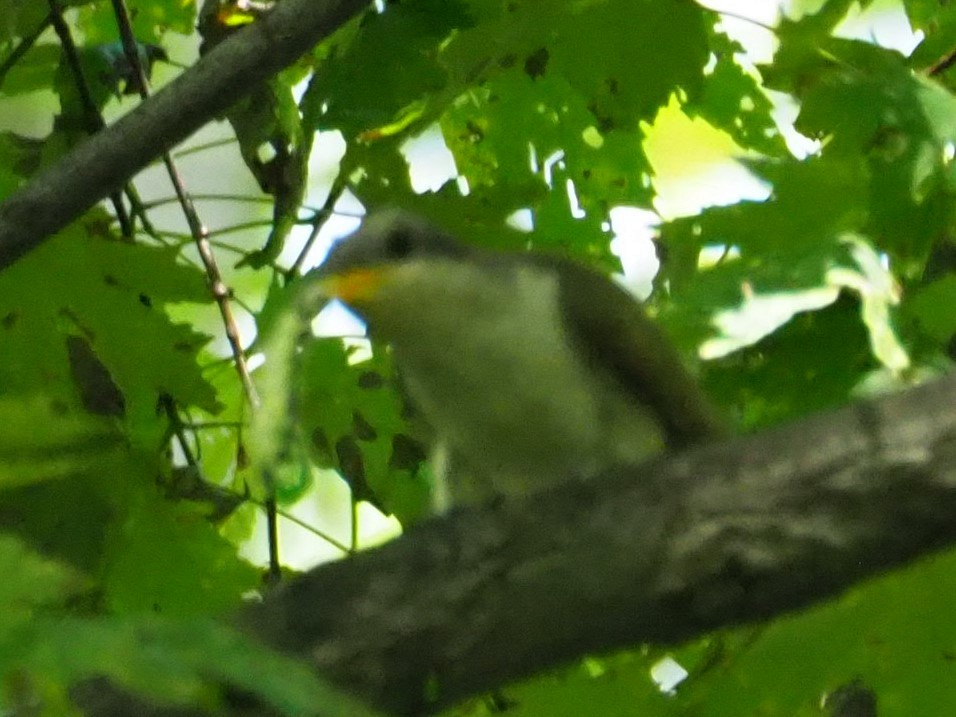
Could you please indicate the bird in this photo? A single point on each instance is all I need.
(529, 368)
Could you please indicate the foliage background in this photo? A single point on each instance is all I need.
(127, 502)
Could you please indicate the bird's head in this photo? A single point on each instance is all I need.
(391, 246)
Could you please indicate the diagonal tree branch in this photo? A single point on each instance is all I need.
(104, 162)
(726, 534)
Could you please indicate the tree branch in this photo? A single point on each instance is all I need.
(104, 162)
(732, 533)
(727, 534)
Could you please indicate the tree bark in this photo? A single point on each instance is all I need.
(731, 533)
(726, 534)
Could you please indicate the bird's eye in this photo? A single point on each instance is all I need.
(398, 244)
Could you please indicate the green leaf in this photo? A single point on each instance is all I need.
(317, 401)
(733, 101)
(114, 298)
(610, 69)
(355, 418)
(21, 156)
(44, 440)
(171, 662)
(32, 581)
(902, 136)
(355, 91)
(167, 558)
(903, 655)
(932, 308)
(781, 376)
(152, 19)
(32, 73)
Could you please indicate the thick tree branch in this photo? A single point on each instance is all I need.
(104, 162)
(727, 534)
(732, 533)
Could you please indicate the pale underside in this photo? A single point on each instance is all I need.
(495, 374)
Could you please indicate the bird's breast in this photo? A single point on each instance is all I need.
(492, 370)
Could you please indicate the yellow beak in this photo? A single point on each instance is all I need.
(355, 285)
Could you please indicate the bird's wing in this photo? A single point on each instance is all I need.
(617, 335)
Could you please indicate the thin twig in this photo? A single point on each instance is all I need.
(179, 427)
(22, 48)
(242, 226)
(91, 114)
(274, 576)
(208, 425)
(199, 232)
(315, 531)
(220, 291)
(210, 197)
(138, 209)
(318, 221)
(942, 64)
(186, 151)
(742, 18)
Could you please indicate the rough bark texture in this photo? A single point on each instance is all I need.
(727, 534)
(731, 533)
(105, 161)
